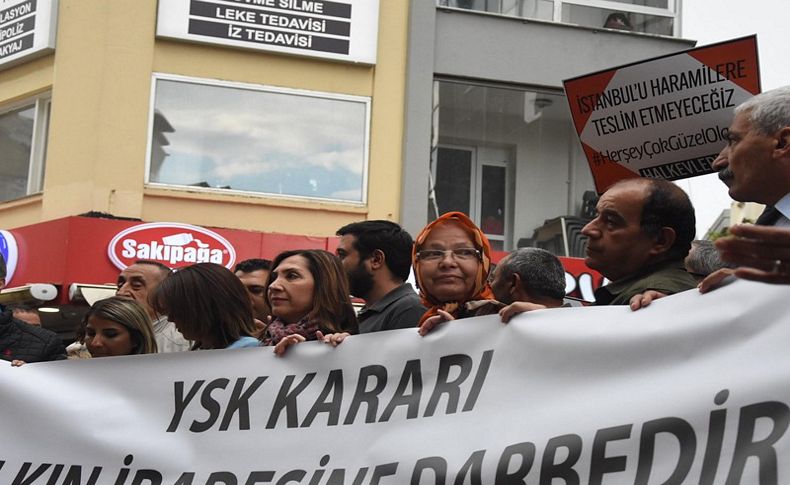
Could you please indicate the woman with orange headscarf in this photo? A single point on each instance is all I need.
(451, 259)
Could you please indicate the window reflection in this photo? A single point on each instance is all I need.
(511, 160)
(616, 19)
(255, 140)
(649, 16)
(16, 139)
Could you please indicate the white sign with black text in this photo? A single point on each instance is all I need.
(345, 30)
(27, 29)
(691, 390)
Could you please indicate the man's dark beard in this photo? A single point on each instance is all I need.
(360, 281)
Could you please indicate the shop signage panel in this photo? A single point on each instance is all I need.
(27, 29)
(665, 117)
(345, 30)
(10, 252)
(173, 244)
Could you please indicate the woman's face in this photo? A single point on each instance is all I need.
(292, 289)
(105, 338)
(450, 277)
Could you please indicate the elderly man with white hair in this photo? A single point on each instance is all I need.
(755, 165)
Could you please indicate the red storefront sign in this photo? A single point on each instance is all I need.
(78, 250)
(173, 244)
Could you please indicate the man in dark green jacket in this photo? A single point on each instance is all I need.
(639, 238)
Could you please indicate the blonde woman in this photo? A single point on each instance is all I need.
(115, 326)
(118, 326)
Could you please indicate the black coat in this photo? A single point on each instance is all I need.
(18, 340)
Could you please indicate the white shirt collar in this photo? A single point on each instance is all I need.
(783, 206)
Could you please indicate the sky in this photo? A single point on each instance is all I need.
(711, 21)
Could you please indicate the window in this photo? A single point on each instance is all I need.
(239, 138)
(649, 16)
(23, 135)
(511, 160)
(473, 180)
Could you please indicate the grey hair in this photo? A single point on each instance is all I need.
(705, 259)
(540, 271)
(769, 111)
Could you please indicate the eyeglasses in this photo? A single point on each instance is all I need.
(459, 254)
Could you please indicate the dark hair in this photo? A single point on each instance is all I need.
(254, 264)
(21, 307)
(667, 205)
(208, 301)
(332, 309)
(131, 315)
(162, 267)
(2, 267)
(620, 21)
(388, 237)
(540, 271)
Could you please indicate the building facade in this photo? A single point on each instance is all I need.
(121, 119)
(291, 118)
(488, 129)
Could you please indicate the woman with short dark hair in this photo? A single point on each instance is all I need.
(209, 305)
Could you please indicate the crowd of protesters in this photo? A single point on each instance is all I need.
(641, 240)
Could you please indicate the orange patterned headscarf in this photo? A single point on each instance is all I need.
(482, 290)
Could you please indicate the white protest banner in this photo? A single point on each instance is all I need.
(343, 30)
(665, 117)
(691, 390)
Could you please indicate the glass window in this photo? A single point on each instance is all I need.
(492, 206)
(665, 4)
(649, 16)
(511, 160)
(453, 180)
(253, 139)
(617, 19)
(534, 9)
(22, 146)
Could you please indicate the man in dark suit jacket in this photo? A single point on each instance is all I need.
(755, 165)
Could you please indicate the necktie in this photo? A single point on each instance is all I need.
(769, 216)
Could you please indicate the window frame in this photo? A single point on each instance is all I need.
(672, 11)
(475, 189)
(505, 238)
(365, 100)
(513, 164)
(42, 107)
